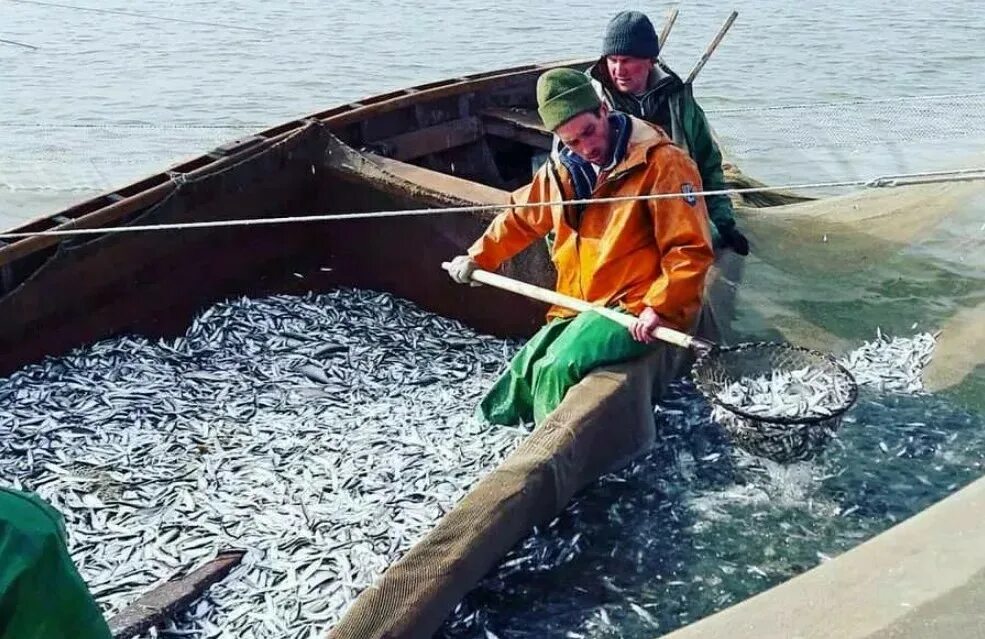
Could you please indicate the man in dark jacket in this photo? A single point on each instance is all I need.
(631, 79)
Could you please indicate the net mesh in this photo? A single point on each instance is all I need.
(780, 437)
(826, 274)
(851, 123)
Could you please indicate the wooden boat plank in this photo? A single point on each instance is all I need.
(147, 183)
(426, 186)
(526, 119)
(521, 125)
(495, 80)
(241, 144)
(433, 139)
(104, 215)
(524, 136)
(155, 606)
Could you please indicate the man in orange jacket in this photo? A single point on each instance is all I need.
(648, 258)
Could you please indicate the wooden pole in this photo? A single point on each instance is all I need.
(160, 603)
(668, 25)
(553, 297)
(711, 48)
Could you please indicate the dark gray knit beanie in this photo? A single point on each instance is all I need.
(631, 33)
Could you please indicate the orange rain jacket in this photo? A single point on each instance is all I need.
(638, 253)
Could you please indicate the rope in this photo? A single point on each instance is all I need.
(144, 16)
(221, 124)
(860, 124)
(19, 44)
(855, 102)
(889, 181)
(114, 125)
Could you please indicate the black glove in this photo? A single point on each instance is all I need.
(733, 238)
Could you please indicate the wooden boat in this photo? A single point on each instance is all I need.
(463, 141)
(466, 140)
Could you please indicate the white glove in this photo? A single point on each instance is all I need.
(461, 269)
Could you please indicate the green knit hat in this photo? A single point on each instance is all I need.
(562, 94)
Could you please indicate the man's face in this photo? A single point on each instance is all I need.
(629, 74)
(587, 134)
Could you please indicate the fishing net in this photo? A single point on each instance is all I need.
(777, 429)
(929, 119)
(827, 274)
(831, 273)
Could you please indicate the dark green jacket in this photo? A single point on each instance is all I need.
(670, 104)
(42, 595)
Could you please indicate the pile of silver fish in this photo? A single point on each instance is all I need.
(803, 392)
(324, 435)
(892, 365)
(884, 364)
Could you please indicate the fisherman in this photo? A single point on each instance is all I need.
(647, 258)
(42, 595)
(631, 78)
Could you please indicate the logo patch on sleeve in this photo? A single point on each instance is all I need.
(688, 190)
